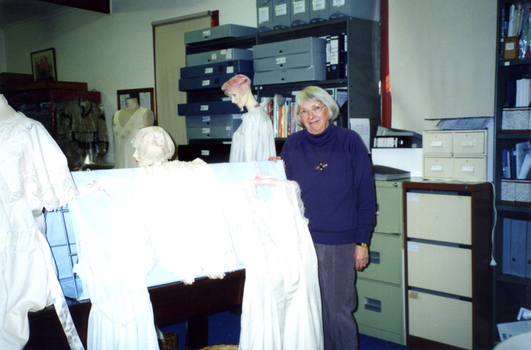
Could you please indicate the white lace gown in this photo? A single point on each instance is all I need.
(33, 175)
(282, 302)
(254, 139)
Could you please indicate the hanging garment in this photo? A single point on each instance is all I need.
(281, 304)
(33, 175)
(254, 139)
(123, 134)
(114, 257)
(82, 123)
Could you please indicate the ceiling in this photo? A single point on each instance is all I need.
(13, 11)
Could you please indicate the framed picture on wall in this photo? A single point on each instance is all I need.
(43, 65)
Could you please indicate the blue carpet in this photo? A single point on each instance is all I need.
(224, 328)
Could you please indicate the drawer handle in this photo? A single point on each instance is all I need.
(373, 305)
(467, 169)
(471, 143)
(436, 168)
(437, 144)
(374, 257)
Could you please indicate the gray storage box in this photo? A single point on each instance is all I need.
(195, 121)
(319, 10)
(217, 68)
(210, 132)
(298, 60)
(223, 31)
(289, 47)
(364, 9)
(203, 58)
(207, 108)
(264, 15)
(281, 14)
(300, 12)
(314, 73)
(206, 82)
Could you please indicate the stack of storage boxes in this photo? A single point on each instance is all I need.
(290, 61)
(279, 14)
(208, 118)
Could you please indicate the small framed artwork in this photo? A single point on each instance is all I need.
(43, 65)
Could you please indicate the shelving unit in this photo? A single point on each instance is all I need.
(510, 292)
(362, 68)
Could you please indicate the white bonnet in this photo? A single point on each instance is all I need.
(155, 143)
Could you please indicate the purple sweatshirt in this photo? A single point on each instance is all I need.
(339, 201)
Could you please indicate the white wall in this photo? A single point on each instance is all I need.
(109, 52)
(442, 60)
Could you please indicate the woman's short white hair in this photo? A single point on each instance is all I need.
(316, 94)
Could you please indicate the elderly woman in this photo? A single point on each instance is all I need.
(153, 146)
(254, 139)
(333, 169)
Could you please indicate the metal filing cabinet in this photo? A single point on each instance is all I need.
(448, 277)
(380, 310)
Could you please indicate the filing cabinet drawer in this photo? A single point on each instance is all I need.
(389, 207)
(379, 306)
(438, 168)
(470, 169)
(448, 271)
(214, 132)
(289, 47)
(303, 59)
(385, 259)
(439, 217)
(437, 143)
(469, 143)
(444, 320)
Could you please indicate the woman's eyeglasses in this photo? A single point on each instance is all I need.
(315, 109)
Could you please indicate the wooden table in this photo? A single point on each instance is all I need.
(172, 303)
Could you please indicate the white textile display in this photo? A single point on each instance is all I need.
(254, 139)
(33, 175)
(282, 301)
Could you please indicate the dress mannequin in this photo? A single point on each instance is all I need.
(153, 146)
(126, 123)
(254, 140)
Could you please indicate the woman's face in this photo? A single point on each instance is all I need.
(314, 116)
(141, 160)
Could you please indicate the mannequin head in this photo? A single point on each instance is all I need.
(131, 102)
(153, 145)
(238, 88)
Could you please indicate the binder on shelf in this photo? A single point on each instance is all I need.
(335, 57)
(506, 253)
(397, 142)
(319, 10)
(528, 252)
(264, 15)
(518, 247)
(281, 14)
(300, 12)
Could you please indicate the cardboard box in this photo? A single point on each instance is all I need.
(510, 48)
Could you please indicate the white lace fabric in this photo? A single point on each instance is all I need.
(33, 175)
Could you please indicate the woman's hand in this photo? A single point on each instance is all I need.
(274, 159)
(361, 255)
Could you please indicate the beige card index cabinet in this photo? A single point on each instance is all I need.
(448, 280)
